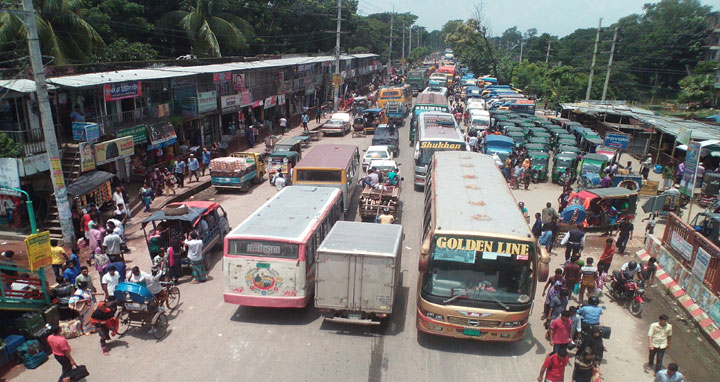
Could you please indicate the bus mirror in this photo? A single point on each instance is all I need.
(424, 263)
(543, 265)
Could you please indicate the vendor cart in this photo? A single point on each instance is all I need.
(374, 201)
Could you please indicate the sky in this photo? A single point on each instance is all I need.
(557, 17)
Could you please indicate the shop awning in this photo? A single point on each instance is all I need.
(703, 144)
(22, 85)
(88, 182)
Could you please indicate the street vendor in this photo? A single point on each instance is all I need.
(103, 318)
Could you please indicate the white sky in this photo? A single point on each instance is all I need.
(557, 17)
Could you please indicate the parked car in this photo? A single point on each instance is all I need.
(375, 152)
(386, 135)
(339, 123)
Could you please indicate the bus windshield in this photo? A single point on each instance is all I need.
(319, 175)
(261, 248)
(391, 94)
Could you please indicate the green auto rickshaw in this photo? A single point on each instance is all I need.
(594, 164)
(545, 142)
(567, 149)
(539, 162)
(515, 129)
(534, 147)
(518, 137)
(565, 142)
(562, 162)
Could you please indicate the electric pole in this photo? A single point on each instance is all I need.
(51, 145)
(403, 41)
(410, 42)
(609, 68)
(521, 50)
(389, 66)
(336, 86)
(592, 65)
(547, 54)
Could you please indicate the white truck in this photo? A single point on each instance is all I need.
(358, 272)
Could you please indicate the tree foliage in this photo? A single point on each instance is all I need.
(9, 148)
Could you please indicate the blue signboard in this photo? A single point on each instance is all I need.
(617, 141)
(85, 131)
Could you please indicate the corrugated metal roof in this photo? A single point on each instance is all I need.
(21, 85)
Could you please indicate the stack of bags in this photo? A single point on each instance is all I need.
(229, 164)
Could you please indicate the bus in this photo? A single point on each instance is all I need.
(479, 262)
(269, 259)
(330, 166)
(401, 94)
(436, 132)
(427, 101)
(449, 71)
(417, 81)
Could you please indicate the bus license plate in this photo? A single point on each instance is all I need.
(354, 316)
(471, 332)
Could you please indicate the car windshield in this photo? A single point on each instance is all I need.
(376, 154)
(539, 161)
(480, 275)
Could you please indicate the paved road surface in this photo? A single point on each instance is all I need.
(211, 340)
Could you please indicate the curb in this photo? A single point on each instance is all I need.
(699, 317)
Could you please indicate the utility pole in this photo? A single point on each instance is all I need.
(609, 68)
(51, 145)
(389, 66)
(592, 65)
(410, 42)
(547, 54)
(403, 40)
(336, 86)
(521, 50)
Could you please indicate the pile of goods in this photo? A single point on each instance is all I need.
(373, 201)
(231, 164)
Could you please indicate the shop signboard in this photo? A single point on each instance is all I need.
(87, 156)
(122, 90)
(34, 164)
(161, 135)
(281, 99)
(257, 103)
(692, 158)
(230, 102)
(679, 244)
(617, 141)
(245, 98)
(38, 250)
(206, 102)
(139, 134)
(85, 131)
(238, 81)
(115, 149)
(9, 176)
(222, 77)
(270, 102)
(57, 173)
(700, 265)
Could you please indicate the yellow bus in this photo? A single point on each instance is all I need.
(479, 262)
(396, 93)
(330, 166)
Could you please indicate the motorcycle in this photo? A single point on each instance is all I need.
(630, 291)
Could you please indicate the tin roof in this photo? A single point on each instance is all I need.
(21, 85)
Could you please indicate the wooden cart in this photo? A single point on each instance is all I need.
(374, 201)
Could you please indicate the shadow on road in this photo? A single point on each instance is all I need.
(490, 349)
(273, 316)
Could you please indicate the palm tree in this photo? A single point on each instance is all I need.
(64, 35)
(211, 28)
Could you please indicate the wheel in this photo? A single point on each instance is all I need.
(160, 325)
(636, 308)
(123, 322)
(173, 298)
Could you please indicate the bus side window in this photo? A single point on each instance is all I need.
(310, 250)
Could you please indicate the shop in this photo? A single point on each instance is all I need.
(113, 156)
(91, 188)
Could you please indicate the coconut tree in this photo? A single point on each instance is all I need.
(64, 35)
(211, 28)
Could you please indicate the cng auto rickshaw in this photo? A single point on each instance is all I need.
(562, 141)
(594, 164)
(545, 142)
(289, 144)
(282, 161)
(562, 162)
(708, 224)
(374, 117)
(360, 104)
(567, 149)
(599, 209)
(518, 137)
(539, 165)
(534, 147)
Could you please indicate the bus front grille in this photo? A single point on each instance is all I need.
(471, 322)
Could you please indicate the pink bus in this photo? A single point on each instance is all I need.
(269, 259)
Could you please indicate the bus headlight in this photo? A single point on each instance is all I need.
(434, 316)
(513, 324)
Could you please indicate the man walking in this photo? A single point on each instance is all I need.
(305, 119)
(195, 255)
(61, 350)
(548, 213)
(671, 374)
(560, 332)
(659, 337)
(279, 181)
(625, 233)
(553, 369)
(179, 172)
(283, 124)
(574, 241)
(668, 172)
(206, 159)
(571, 273)
(193, 166)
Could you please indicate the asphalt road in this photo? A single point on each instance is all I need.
(211, 340)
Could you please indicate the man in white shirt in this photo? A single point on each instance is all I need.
(194, 248)
(280, 182)
(111, 246)
(283, 124)
(118, 197)
(117, 226)
(472, 141)
(109, 281)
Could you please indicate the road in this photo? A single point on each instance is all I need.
(211, 340)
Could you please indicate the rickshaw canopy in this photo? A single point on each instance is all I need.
(284, 154)
(574, 213)
(126, 292)
(196, 210)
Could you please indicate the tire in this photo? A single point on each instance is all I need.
(173, 298)
(636, 308)
(160, 324)
(124, 322)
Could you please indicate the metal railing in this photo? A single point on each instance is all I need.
(33, 140)
(111, 123)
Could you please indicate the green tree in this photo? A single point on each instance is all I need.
(699, 86)
(9, 148)
(64, 34)
(211, 28)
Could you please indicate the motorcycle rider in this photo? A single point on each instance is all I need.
(590, 314)
(627, 273)
(594, 343)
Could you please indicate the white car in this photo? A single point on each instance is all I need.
(384, 165)
(376, 152)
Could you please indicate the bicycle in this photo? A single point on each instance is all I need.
(172, 299)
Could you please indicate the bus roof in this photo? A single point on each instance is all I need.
(431, 99)
(328, 156)
(474, 196)
(289, 215)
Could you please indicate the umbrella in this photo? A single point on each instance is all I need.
(573, 214)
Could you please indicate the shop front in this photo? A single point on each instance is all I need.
(91, 188)
(114, 155)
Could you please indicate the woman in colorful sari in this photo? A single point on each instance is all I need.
(174, 261)
(83, 302)
(95, 236)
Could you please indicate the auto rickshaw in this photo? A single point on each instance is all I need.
(562, 162)
(708, 224)
(543, 134)
(709, 189)
(593, 163)
(599, 209)
(282, 161)
(360, 104)
(565, 141)
(545, 142)
(567, 149)
(518, 137)
(539, 165)
(270, 142)
(289, 144)
(512, 128)
(374, 117)
(358, 126)
(534, 147)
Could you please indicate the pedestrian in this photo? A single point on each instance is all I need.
(279, 181)
(571, 273)
(305, 118)
(104, 320)
(112, 244)
(85, 277)
(628, 167)
(564, 199)
(84, 223)
(659, 336)
(648, 270)
(667, 175)
(679, 172)
(585, 366)
(83, 302)
(699, 174)
(558, 304)
(625, 234)
(168, 182)
(552, 227)
(574, 242)
(537, 227)
(588, 279)
(473, 142)
(548, 213)
(193, 167)
(645, 166)
(61, 350)
(58, 257)
(553, 369)
(552, 288)
(671, 374)
(195, 255)
(560, 332)
(517, 175)
(69, 272)
(179, 172)
(283, 124)
(318, 114)
(109, 281)
(118, 197)
(206, 159)
(593, 343)
(147, 195)
(606, 257)
(650, 226)
(174, 259)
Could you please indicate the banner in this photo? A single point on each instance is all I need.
(238, 81)
(683, 136)
(230, 102)
(257, 103)
(57, 173)
(9, 176)
(245, 98)
(109, 151)
(617, 141)
(206, 102)
(38, 250)
(692, 158)
(87, 156)
(222, 77)
(270, 102)
(139, 134)
(281, 99)
(122, 90)
(161, 134)
(85, 131)
(700, 265)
